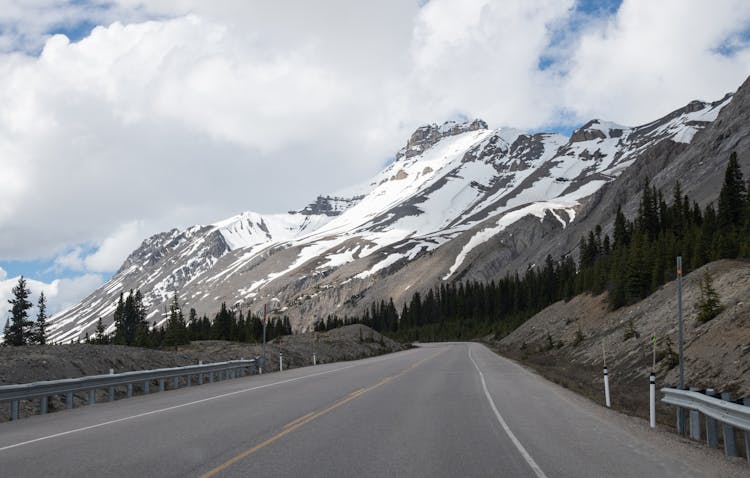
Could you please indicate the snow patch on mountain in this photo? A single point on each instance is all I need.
(448, 183)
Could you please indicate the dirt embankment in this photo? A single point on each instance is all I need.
(564, 342)
(53, 362)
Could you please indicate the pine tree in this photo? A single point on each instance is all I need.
(141, 326)
(20, 331)
(621, 236)
(709, 304)
(119, 321)
(40, 334)
(732, 196)
(176, 332)
(99, 335)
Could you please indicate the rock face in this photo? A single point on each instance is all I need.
(461, 201)
(426, 136)
(328, 206)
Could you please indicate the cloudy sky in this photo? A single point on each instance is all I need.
(122, 118)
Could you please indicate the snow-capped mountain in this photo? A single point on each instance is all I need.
(461, 200)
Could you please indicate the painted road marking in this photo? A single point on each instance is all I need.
(313, 416)
(182, 405)
(526, 456)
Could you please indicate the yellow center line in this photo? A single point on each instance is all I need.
(292, 423)
(305, 419)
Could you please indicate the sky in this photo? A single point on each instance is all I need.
(124, 118)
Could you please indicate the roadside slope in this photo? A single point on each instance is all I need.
(717, 354)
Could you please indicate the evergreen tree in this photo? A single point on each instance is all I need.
(732, 197)
(141, 326)
(709, 304)
(40, 333)
(176, 332)
(20, 331)
(99, 335)
(119, 321)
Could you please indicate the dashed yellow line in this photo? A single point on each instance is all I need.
(305, 419)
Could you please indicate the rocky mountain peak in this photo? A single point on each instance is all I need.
(328, 206)
(427, 135)
(597, 129)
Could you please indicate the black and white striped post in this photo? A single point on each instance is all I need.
(652, 388)
(281, 362)
(606, 379)
(652, 400)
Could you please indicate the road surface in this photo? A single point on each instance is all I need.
(439, 410)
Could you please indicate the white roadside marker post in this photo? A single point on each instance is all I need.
(652, 388)
(281, 362)
(606, 379)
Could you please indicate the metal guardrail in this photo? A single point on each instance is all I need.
(726, 412)
(68, 387)
(730, 414)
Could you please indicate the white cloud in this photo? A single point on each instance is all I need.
(109, 256)
(72, 261)
(655, 56)
(3, 274)
(212, 108)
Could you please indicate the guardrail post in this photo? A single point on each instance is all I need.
(695, 421)
(200, 378)
(188, 380)
(161, 384)
(746, 402)
(712, 436)
(92, 396)
(146, 387)
(211, 377)
(730, 445)
(43, 405)
(14, 409)
(111, 387)
(69, 400)
(176, 382)
(130, 390)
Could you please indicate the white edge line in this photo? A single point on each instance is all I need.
(526, 456)
(153, 412)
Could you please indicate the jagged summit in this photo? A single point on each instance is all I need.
(597, 129)
(329, 205)
(426, 136)
(461, 200)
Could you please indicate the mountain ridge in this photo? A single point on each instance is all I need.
(453, 190)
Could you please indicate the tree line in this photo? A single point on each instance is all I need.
(633, 263)
(132, 327)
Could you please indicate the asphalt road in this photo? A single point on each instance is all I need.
(440, 410)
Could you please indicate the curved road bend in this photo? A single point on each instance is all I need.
(439, 410)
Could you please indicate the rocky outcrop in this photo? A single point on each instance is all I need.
(426, 136)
